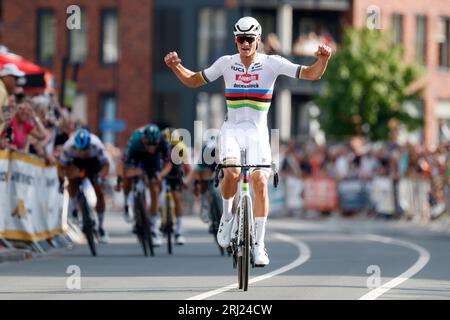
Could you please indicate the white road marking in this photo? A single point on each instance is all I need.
(424, 257)
(304, 255)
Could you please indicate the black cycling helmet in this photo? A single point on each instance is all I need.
(152, 134)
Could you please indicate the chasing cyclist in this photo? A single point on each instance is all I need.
(175, 178)
(85, 151)
(203, 176)
(249, 80)
(148, 150)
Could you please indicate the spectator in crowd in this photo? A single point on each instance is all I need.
(306, 45)
(41, 104)
(26, 123)
(272, 44)
(8, 82)
(67, 126)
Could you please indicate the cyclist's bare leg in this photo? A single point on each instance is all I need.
(259, 180)
(127, 180)
(197, 183)
(72, 173)
(178, 203)
(229, 187)
(205, 176)
(155, 189)
(178, 211)
(100, 207)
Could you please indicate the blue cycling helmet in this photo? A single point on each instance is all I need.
(82, 139)
(152, 134)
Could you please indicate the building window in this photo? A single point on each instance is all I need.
(443, 42)
(110, 36)
(78, 39)
(167, 109)
(108, 121)
(442, 113)
(167, 35)
(79, 108)
(211, 36)
(46, 37)
(397, 28)
(421, 37)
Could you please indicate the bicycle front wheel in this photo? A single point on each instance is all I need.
(169, 221)
(88, 224)
(142, 226)
(244, 246)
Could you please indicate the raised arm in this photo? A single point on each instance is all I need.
(186, 76)
(315, 71)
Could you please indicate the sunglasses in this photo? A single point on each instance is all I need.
(242, 39)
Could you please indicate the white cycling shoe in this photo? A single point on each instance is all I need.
(224, 232)
(179, 239)
(156, 239)
(260, 256)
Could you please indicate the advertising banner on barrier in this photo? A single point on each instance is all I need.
(30, 204)
(276, 196)
(320, 194)
(382, 195)
(294, 199)
(354, 194)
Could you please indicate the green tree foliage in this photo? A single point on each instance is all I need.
(366, 82)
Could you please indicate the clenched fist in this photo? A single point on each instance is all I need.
(172, 60)
(323, 52)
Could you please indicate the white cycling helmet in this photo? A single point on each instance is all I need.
(247, 26)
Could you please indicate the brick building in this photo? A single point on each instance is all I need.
(422, 27)
(122, 75)
(113, 50)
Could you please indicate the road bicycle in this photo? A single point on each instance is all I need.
(141, 218)
(243, 229)
(87, 201)
(214, 210)
(169, 218)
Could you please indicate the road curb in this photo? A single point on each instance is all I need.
(15, 255)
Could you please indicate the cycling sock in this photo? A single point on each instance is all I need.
(129, 199)
(204, 200)
(73, 204)
(228, 207)
(154, 223)
(101, 217)
(178, 225)
(260, 226)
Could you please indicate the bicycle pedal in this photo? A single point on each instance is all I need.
(260, 265)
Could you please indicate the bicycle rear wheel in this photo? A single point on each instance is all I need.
(244, 257)
(88, 224)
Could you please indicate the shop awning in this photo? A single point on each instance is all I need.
(37, 78)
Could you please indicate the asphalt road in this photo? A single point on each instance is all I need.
(333, 258)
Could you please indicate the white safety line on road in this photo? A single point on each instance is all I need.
(304, 255)
(424, 257)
